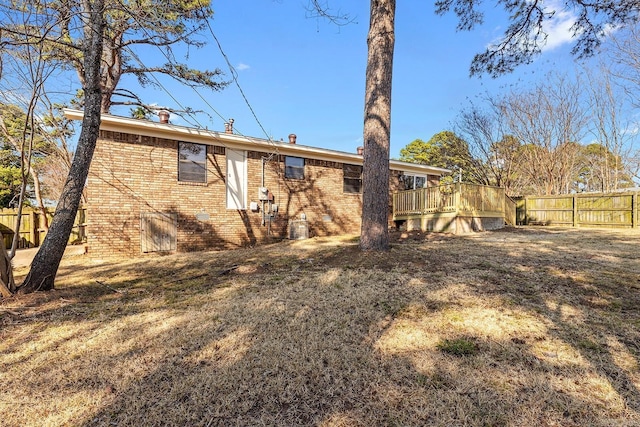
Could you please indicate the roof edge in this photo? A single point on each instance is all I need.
(114, 123)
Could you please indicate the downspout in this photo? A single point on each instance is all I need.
(262, 184)
(262, 201)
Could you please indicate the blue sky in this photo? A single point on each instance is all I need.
(305, 76)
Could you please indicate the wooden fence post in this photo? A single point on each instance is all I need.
(33, 228)
(575, 210)
(634, 210)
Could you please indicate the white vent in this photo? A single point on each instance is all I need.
(298, 229)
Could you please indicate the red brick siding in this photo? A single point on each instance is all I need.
(131, 174)
(140, 175)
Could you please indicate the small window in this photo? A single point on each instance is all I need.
(192, 162)
(412, 182)
(352, 178)
(294, 167)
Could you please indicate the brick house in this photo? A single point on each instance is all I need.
(161, 187)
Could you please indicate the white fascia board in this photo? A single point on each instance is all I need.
(417, 168)
(239, 142)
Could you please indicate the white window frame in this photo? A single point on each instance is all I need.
(294, 171)
(190, 159)
(412, 177)
(349, 178)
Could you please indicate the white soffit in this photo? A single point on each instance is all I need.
(239, 142)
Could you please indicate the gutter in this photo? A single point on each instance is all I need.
(150, 128)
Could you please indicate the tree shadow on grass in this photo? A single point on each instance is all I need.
(587, 296)
(300, 339)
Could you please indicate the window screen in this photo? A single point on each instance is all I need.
(412, 182)
(294, 167)
(352, 175)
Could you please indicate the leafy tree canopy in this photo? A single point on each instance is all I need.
(14, 130)
(164, 25)
(601, 170)
(46, 149)
(10, 183)
(525, 35)
(443, 150)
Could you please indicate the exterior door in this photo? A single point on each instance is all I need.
(236, 179)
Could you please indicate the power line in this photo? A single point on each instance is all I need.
(186, 110)
(232, 69)
(198, 124)
(234, 74)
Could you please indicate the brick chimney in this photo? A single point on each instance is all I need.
(360, 151)
(292, 138)
(228, 126)
(163, 116)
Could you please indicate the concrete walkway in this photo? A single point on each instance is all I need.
(24, 257)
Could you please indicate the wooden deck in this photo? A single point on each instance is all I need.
(455, 208)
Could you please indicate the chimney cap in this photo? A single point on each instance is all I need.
(228, 126)
(292, 138)
(163, 116)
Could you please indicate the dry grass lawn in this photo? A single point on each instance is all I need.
(521, 327)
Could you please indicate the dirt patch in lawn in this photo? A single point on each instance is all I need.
(526, 326)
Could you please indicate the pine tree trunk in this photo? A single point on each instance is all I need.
(7, 285)
(46, 262)
(377, 127)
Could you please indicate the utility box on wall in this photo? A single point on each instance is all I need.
(298, 229)
(263, 194)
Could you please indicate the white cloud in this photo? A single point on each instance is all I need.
(632, 130)
(242, 67)
(558, 29)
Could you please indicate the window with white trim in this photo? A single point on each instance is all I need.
(412, 182)
(192, 162)
(352, 178)
(293, 167)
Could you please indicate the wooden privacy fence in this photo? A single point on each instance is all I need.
(509, 211)
(575, 210)
(32, 227)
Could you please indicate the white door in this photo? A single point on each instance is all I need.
(236, 179)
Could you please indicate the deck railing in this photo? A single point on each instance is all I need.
(462, 198)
